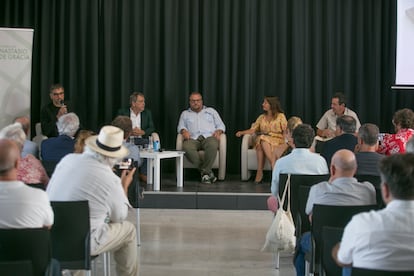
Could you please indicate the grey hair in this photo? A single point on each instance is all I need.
(14, 132)
(68, 124)
(110, 161)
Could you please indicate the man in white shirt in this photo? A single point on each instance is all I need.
(384, 239)
(201, 128)
(327, 124)
(89, 176)
(21, 206)
(301, 160)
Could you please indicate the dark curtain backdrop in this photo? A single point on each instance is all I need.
(234, 51)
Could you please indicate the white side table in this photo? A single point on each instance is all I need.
(153, 168)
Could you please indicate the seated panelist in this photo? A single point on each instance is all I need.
(270, 128)
(201, 128)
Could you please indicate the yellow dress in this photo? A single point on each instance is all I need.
(270, 131)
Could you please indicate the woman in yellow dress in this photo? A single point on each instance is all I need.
(269, 128)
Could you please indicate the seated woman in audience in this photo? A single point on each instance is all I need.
(286, 148)
(30, 169)
(269, 128)
(80, 140)
(403, 122)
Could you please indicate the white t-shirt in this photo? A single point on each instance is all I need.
(81, 177)
(22, 206)
(382, 240)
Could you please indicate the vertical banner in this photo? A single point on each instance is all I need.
(15, 73)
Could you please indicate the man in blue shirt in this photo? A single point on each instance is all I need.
(201, 128)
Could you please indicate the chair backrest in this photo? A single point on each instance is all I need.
(330, 237)
(49, 166)
(71, 234)
(376, 181)
(335, 216)
(372, 272)
(16, 268)
(33, 245)
(295, 181)
(303, 223)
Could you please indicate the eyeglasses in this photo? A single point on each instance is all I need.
(58, 94)
(195, 101)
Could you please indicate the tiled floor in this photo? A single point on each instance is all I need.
(206, 242)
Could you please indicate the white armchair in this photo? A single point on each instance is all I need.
(39, 137)
(219, 163)
(248, 157)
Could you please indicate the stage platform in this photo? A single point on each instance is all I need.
(229, 194)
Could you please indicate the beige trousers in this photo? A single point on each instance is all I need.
(122, 242)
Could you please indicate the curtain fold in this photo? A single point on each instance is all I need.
(235, 52)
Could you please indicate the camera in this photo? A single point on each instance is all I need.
(126, 164)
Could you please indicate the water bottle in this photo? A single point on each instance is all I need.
(150, 143)
(156, 145)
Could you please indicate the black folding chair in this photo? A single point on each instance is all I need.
(29, 245)
(71, 236)
(330, 237)
(16, 268)
(297, 180)
(330, 215)
(376, 181)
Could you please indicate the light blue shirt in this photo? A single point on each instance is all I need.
(202, 123)
(30, 147)
(133, 152)
(299, 161)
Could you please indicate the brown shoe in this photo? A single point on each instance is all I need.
(143, 178)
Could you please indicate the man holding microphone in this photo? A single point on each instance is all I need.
(51, 112)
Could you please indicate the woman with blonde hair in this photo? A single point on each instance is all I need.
(269, 128)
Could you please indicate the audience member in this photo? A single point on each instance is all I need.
(384, 239)
(327, 124)
(29, 169)
(142, 124)
(341, 189)
(201, 128)
(55, 148)
(20, 205)
(29, 147)
(292, 123)
(345, 137)
(366, 150)
(403, 122)
(51, 112)
(125, 124)
(91, 178)
(300, 161)
(82, 135)
(269, 127)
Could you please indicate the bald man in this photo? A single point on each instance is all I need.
(20, 205)
(341, 189)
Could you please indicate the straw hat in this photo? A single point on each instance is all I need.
(108, 142)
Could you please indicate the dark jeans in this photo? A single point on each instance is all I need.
(304, 247)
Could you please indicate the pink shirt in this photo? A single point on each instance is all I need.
(31, 171)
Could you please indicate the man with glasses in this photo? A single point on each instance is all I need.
(201, 128)
(51, 112)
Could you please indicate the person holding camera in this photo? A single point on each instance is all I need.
(89, 176)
